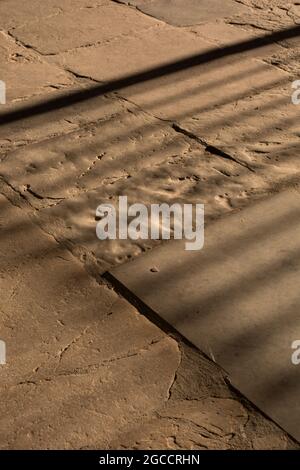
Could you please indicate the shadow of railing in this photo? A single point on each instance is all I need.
(147, 75)
(247, 285)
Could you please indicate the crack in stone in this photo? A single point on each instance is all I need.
(67, 347)
(39, 196)
(247, 23)
(211, 148)
(92, 44)
(23, 44)
(92, 164)
(81, 76)
(90, 368)
(203, 431)
(15, 191)
(176, 372)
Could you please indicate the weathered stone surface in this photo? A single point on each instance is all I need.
(262, 131)
(14, 13)
(90, 157)
(268, 16)
(188, 12)
(90, 26)
(224, 34)
(62, 119)
(40, 318)
(288, 58)
(181, 93)
(191, 425)
(132, 53)
(25, 73)
(238, 299)
(191, 175)
(142, 52)
(192, 417)
(78, 381)
(64, 348)
(45, 418)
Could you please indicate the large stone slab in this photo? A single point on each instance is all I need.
(14, 13)
(224, 34)
(250, 131)
(88, 407)
(25, 73)
(268, 16)
(237, 299)
(134, 53)
(180, 171)
(184, 91)
(80, 383)
(85, 27)
(64, 118)
(76, 379)
(188, 12)
(93, 156)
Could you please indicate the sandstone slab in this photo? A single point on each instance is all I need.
(94, 155)
(262, 131)
(14, 13)
(86, 27)
(190, 176)
(209, 78)
(107, 400)
(268, 16)
(25, 73)
(73, 379)
(65, 352)
(189, 12)
(31, 121)
(237, 299)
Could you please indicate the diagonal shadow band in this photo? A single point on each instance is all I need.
(147, 75)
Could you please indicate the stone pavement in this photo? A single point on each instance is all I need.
(236, 299)
(220, 130)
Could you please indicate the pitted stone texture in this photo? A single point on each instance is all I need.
(288, 58)
(262, 131)
(70, 348)
(95, 156)
(193, 416)
(41, 124)
(81, 383)
(191, 175)
(75, 29)
(188, 12)
(269, 16)
(25, 74)
(196, 425)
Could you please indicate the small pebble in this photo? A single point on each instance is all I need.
(154, 269)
